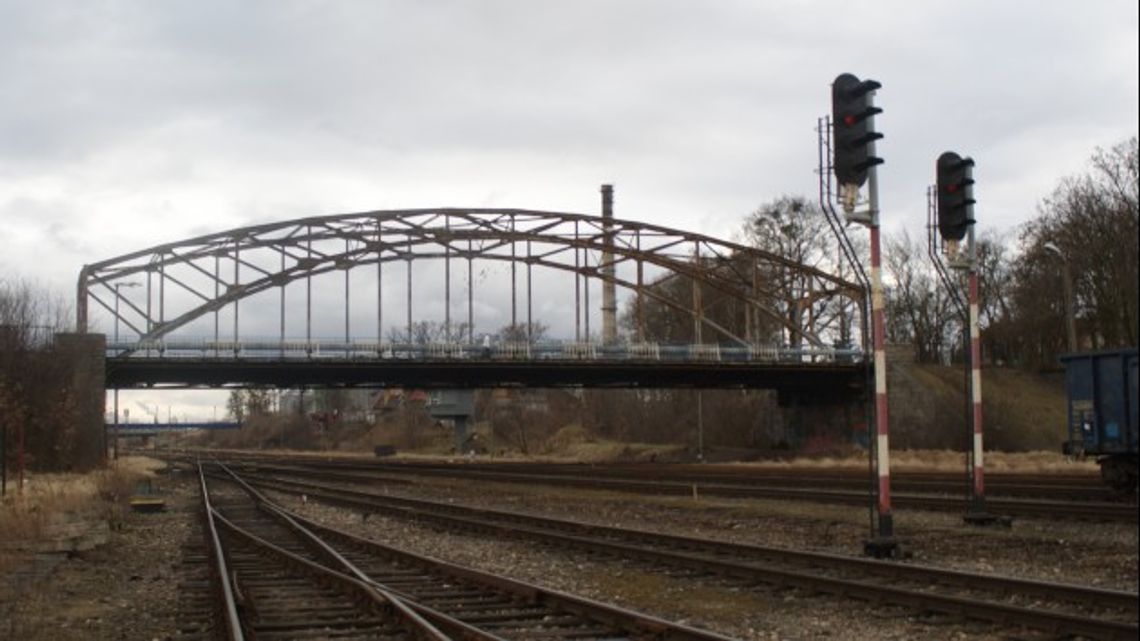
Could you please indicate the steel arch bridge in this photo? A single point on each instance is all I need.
(181, 305)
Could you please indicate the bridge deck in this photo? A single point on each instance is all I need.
(819, 382)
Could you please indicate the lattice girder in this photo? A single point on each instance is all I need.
(263, 257)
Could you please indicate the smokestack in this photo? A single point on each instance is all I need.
(609, 297)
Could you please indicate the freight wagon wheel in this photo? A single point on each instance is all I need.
(1120, 473)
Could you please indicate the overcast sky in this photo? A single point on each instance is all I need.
(128, 124)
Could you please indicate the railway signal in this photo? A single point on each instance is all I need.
(955, 195)
(853, 122)
(853, 160)
(954, 200)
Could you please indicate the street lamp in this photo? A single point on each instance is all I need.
(115, 444)
(117, 286)
(1067, 277)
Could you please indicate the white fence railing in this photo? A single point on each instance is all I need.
(508, 351)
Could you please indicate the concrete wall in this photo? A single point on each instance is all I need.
(86, 356)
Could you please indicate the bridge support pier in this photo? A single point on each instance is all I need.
(86, 354)
(819, 425)
(461, 433)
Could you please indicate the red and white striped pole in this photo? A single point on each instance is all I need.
(878, 332)
(977, 507)
(853, 110)
(884, 544)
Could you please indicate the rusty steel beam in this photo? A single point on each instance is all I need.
(602, 249)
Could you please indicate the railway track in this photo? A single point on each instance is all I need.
(288, 577)
(1058, 608)
(1067, 485)
(799, 487)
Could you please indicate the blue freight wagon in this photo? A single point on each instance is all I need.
(1103, 411)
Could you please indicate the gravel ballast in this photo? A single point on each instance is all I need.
(128, 588)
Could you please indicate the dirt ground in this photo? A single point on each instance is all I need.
(63, 588)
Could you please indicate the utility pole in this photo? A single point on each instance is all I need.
(1067, 286)
(115, 445)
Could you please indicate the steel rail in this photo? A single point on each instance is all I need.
(1121, 512)
(1085, 487)
(634, 622)
(577, 605)
(410, 608)
(420, 627)
(1115, 598)
(704, 555)
(229, 604)
(417, 625)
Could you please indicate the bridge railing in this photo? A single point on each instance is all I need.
(332, 350)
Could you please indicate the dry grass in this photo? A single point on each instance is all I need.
(1023, 411)
(26, 518)
(947, 461)
(574, 442)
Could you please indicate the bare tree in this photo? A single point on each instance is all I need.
(247, 403)
(425, 332)
(918, 309)
(35, 394)
(523, 332)
(1092, 219)
(796, 229)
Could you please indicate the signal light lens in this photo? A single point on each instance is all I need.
(955, 195)
(852, 117)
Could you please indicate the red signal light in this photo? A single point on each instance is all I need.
(955, 195)
(852, 120)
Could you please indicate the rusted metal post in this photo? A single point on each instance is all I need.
(753, 317)
(609, 297)
(281, 333)
(577, 288)
(217, 295)
(149, 300)
(309, 289)
(640, 301)
(410, 291)
(514, 281)
(586, 297)
(380, 284)
(347, 298)
(640, 287)
(470, 295)
(529, 297)
(237, 280)
(698, 312)
(447, 278)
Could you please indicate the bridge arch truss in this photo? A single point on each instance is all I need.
(153, 293)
